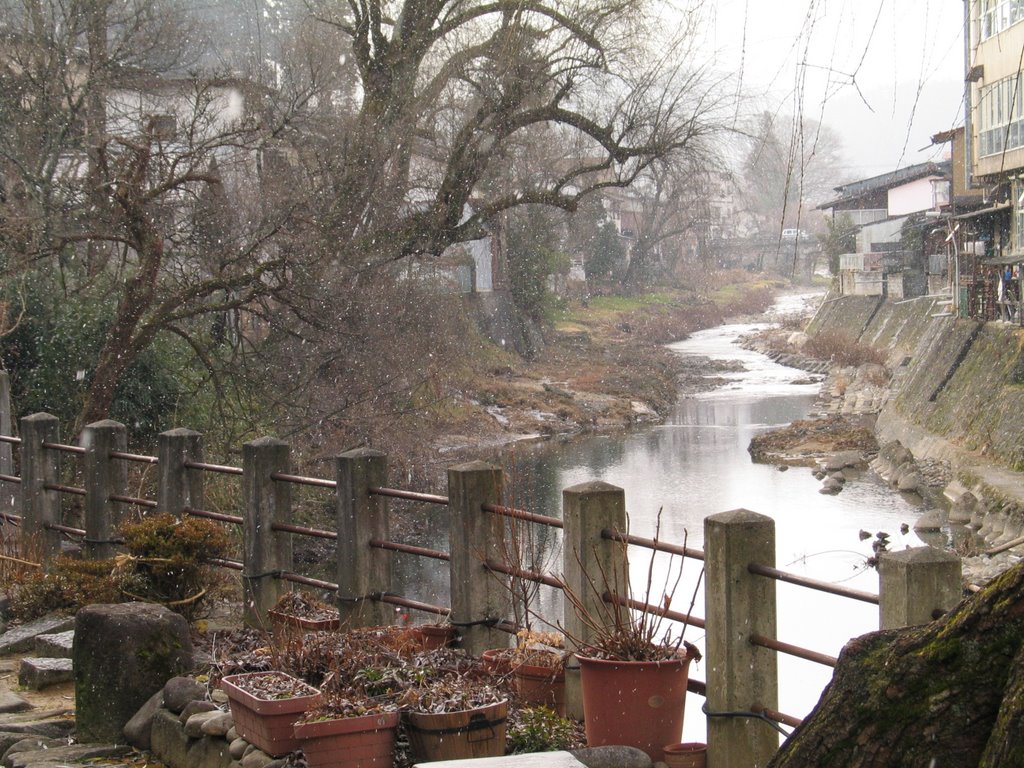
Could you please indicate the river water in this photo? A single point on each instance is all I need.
(696, 464)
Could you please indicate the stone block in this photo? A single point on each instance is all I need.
(74, 754)
(22, 638)
(169, 742)
(123, 654)
(57, 646)
(12, 702)
(36, 673)
(138, 731)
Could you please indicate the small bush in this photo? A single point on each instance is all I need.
(166, 563)
(540, 729)
(841, 349)
(68, 586)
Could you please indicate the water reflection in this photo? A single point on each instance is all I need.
(697, 464)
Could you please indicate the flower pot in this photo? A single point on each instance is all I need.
(541, 686)
(635, 703)
(497, 661)
(287, 628)
(468, 733)
(686, 755)
(267, 723)
(349, 742)
(430, 637)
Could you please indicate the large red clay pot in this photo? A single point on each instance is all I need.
(635, 703)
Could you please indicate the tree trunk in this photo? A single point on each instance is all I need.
(949, 693)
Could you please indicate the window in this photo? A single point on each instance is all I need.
(994, 16)
(1018, 215)
(1001, 116)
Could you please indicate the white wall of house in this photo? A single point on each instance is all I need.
(887, 231)
(913, 197)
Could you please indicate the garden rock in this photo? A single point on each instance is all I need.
(256, 759)
(12, 702)
(218, 724)
(180, 691)
(169, 742)
(138, 730)
(36, 673)
(62, 755)
(237, 748)
(195, 707)
(123, 654)
(22, 638)
(56, 646)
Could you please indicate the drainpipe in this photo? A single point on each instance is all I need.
(968, 102)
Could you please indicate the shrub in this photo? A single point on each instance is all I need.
(539, 729)
(68, 586)
(842, 349)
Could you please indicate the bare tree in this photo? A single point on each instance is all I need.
(118, 171)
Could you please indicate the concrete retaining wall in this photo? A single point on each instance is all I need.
(958, 385)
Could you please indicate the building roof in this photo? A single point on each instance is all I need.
(886, 181)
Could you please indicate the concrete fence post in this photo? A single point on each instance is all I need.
(40, 507)
(266, 553)
(103, 476)
(738, 604)
(917, 585)
(362, 571)
(8, 494)
(588, 509)
(179, 487)
(475, 536)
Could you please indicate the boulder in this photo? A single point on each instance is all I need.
(194, 707)
(138, 730)
(180, 691)
(948, 693)
(36, 674)
(123, 654)
(963, 509)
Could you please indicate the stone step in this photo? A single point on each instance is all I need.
(62, 757)
(37, 673)
(23, 637)
(57, 646)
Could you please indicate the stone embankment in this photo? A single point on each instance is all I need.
(946, 409)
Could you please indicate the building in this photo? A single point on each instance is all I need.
(890, 214)
(994, 137)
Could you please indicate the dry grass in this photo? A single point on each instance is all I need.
(842, 349)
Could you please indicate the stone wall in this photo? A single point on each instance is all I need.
(958, 385)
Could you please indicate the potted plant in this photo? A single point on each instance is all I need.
(296, 613)
(634, 669)
(538, 667)
(349, 730)
(452, 719)
(430, 637)
(265, 706)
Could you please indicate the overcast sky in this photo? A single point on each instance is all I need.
(885, 74)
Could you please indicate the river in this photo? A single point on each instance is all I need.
(696, 464)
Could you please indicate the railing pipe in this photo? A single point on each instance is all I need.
(221, 469)
(317, 482)
(657, 545)
(409, 549)
(135, 457)
(52, 445)
(793, 650)
(395, 493)
(219, 516)
(303, 530)
(820, 586)
(71, 490)
(145, 503)
(522, 514)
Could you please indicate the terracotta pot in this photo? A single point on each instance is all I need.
(541, 686)
(467, 733)
(635, 703)
(267, 723)
(287, 628)
(430, 637)
(349, 742)
(497, 661)
(686, 755)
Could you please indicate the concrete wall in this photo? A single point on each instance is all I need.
(958, 385)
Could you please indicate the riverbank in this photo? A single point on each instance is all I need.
(604, 367)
